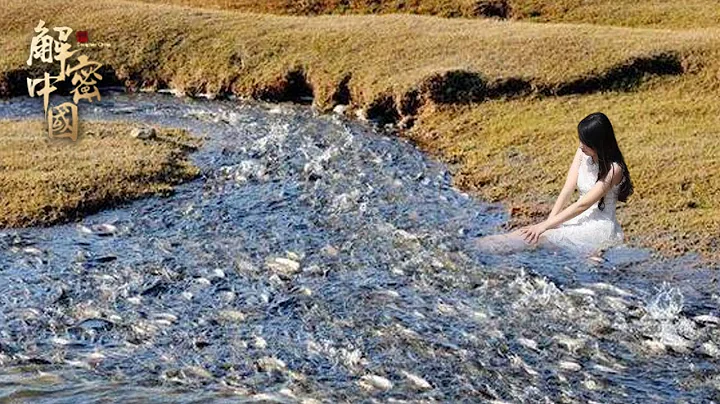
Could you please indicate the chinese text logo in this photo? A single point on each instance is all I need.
(62, 119)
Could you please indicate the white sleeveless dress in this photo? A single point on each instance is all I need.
(592, 229)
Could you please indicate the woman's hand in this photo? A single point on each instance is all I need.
(531, 234)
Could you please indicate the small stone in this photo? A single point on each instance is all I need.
(143, 133)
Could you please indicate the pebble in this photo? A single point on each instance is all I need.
(143, 133)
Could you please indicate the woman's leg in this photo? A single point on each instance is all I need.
(503, 243)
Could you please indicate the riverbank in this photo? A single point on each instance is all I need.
(46, 182)
(498, 100)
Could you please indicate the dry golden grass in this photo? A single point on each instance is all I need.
(643, 13)
(476, 88)
(46, 181)
(250, 54)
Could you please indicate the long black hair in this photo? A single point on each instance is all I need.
(596, 131)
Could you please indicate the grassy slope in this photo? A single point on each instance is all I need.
(45, 181)
(669, 119)
(630, 13)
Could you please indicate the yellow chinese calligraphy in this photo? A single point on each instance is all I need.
(84, 79)
(62, 119)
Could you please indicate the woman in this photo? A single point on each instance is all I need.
(588, 225)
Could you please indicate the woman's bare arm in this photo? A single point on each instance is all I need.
(569, 187)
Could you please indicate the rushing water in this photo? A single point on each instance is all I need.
(317, 260)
